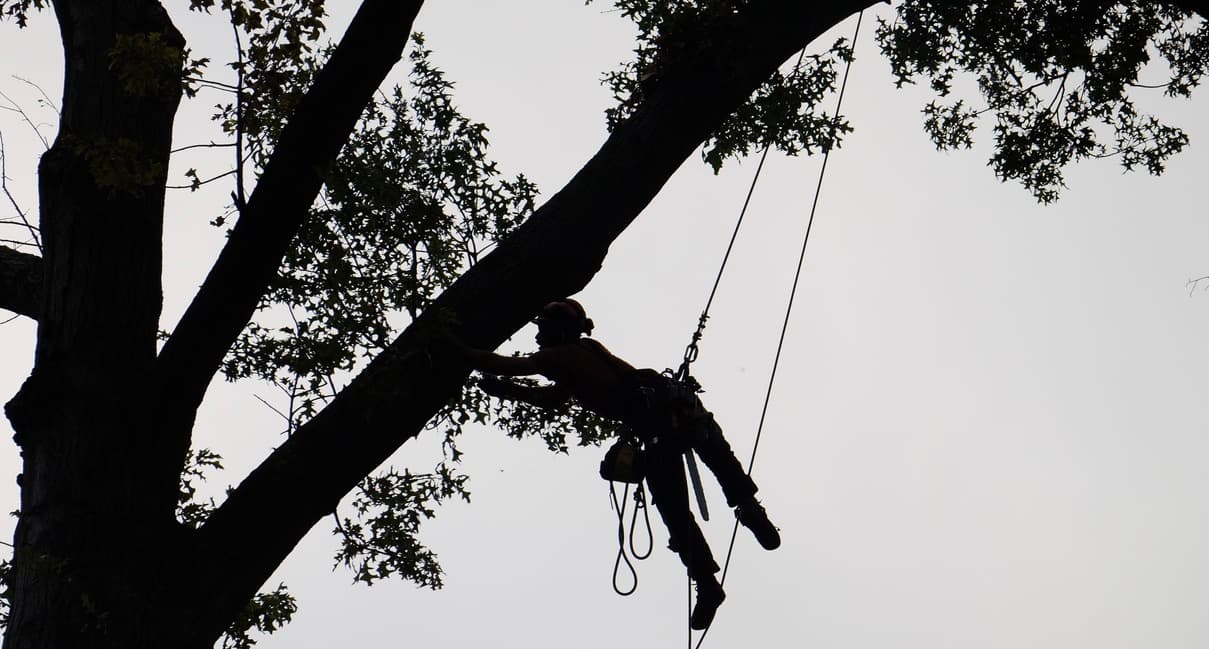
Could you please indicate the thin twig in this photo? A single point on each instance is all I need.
(216, 85)
(33, 231)
(1057, 100)
(272, 407)
(240, 198)
(16, 108)
(1194, 283)
(46, 98)
(1148, 86)
(212, 145)
(201, 182)
(1024, 91)
(49, 102)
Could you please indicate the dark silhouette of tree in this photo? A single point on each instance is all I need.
(370, 204)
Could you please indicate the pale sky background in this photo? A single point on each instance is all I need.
(988, 428)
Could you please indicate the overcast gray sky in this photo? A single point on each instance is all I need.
(988, 428)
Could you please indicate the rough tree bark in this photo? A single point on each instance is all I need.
(90, 536)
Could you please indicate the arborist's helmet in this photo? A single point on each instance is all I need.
(566, 314)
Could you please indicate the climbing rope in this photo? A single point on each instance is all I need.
(788, 307)
(692, 350)
(622, 558)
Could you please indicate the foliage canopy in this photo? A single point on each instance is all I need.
(1055, 77)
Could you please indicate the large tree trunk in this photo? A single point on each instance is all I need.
(96, 556)
(103, 425)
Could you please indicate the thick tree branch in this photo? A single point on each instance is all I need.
(20, 282)
(554, 254)
(277, 207)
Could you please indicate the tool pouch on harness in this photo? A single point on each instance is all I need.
(667, 405)
(624, 462)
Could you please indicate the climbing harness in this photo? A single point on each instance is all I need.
(694, 477)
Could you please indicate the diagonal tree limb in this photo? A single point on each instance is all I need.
(20, 282)
(277, 207)
(554, 254)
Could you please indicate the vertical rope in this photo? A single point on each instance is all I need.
(690, 353)
(789, 306)
(793, 291)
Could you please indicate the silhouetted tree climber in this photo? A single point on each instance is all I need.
(665, 416)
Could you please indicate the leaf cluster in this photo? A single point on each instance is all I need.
(782, 112)
(521, 420)
(265, 613)
(411, 202)
(279, 53)
(380, 540)
(190, 511)
(146, 65)
(19, 10)
(118, 165)
(1056, 77)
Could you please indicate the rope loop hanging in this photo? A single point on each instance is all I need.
(623, 558)
(640, 505)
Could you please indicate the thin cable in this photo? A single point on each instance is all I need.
(734, 235)
(690, 354)
(743, 211)
(802, 255)
(688, 619)
(789, 306)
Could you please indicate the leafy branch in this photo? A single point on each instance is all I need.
(1055, 77)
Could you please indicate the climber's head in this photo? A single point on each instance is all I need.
(562, 321)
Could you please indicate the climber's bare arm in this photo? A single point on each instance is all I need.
(492, 363)
(543, 396)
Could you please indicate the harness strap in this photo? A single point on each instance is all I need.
(694, 477)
